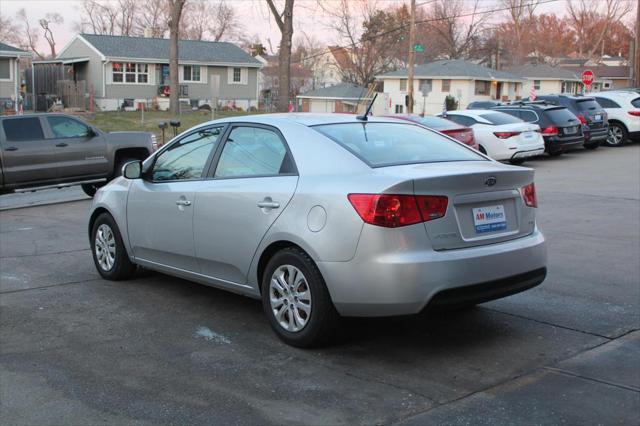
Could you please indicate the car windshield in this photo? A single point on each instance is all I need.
(390, 144)
(636, 102)
(560, 116)
(437, 123)
(588, 105)
(498, 118)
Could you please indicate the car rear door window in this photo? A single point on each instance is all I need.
(636, 102)
(186, 158)
(389, 144)
(65, 127)
(253, 151)
(22, 129)
(529, 116)
(461, 119)
(607, 103)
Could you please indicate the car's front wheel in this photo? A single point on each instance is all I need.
(296, 300)
(617, 135)
(109, 253)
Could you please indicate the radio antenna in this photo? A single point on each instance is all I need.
(365, 116)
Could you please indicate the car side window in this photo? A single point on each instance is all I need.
(253, 151)
(186, 158)
(529, 116)
(607, 103)
(65, 127)
(22, 129)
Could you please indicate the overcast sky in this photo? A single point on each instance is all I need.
(308, 17)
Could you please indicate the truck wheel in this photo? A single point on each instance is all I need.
(89, 189)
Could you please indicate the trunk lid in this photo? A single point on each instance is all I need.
(485, 204)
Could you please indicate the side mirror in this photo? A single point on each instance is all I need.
(132, 170)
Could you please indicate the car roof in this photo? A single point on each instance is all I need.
(625, 94)
(537, 106)
(303, 118)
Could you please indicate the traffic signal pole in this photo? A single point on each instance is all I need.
(412, 56)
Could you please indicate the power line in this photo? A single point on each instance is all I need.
(425, 21)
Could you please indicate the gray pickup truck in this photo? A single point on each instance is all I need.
(41, 151)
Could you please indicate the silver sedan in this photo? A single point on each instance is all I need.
(324, 216)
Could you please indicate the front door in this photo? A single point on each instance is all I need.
(27, 157)
(254, 179)
(160, 206)
(78, 150)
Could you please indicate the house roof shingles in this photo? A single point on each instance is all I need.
(5, 48)
(158, 48)
(455, 68)
(544, 71)
(339, 91)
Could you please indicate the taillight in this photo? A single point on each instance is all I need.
(505, 135)
(550, 131)
(529, 195)
(393, 211)
(634, 113)
(582, 119)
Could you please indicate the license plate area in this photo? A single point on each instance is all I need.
(570, 130)
(489, 219)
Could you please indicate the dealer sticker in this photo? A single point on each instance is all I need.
(489, 219)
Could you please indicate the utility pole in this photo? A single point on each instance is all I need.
(412, 55)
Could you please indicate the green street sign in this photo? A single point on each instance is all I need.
(418, 48)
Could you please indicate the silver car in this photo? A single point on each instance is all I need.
(323, 216)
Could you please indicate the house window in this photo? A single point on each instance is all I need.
(191, 73)
(5, 69)
(482, 88)
(130, 72)
(399, 109)
(403, 85)
(536, 84)
(446, 85)
(237, 75)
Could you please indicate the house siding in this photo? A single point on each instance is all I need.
(92, 72)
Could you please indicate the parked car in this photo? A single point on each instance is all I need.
(322, 216)
(40, 151)
(593, 117)
(483, 104)
(501, 136)
(560, 128)
(623, 108)
(456, 131)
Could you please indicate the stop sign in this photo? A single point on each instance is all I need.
(587, 77)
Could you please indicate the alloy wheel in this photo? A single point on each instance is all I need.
(105, 247)
(290, 298)
(615, 135)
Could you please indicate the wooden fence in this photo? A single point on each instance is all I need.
(73, 93)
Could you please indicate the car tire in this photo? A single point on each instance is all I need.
(299, 308)
(516, 161)
(618, 135)
(592, 146)
(109, 254)
(89, 189)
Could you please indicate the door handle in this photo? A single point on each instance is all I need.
(62, 144)
(11, 148)
(183, 202)
(268, 205)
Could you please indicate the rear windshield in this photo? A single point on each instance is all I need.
(588, 105)
(390, 144)
(498, 118)
(560, 115)
(437, 123)
(636, 102)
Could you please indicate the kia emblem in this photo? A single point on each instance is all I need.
(491, 180)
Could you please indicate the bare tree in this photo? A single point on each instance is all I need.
(174, 29)
(9, 31)
(109, 18)
(458, 34)
(46, 23)
(592, 19)
(127, 10)
(153, 18)
(521, 14)
(28, 35)
(284, 21)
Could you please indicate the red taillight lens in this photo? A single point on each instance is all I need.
(392, 211)
(529, 195)
(582, 119)
(505, 135)
(550, 131)
(634, 113)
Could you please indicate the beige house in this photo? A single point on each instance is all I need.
(465, 81)
(547, 79)
(10, 76)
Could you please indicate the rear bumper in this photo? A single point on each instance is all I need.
(598, 135)
(555, 144)
(404, 282)
(528, 153)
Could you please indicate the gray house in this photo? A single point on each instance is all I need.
(127, 71)
(10, 76)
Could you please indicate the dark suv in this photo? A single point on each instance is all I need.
(592, 116)
(560, 128)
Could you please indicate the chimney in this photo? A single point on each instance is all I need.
(148, 32)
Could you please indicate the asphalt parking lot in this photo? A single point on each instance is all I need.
(75, 349)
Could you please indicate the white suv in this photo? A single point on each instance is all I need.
(623, 108)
